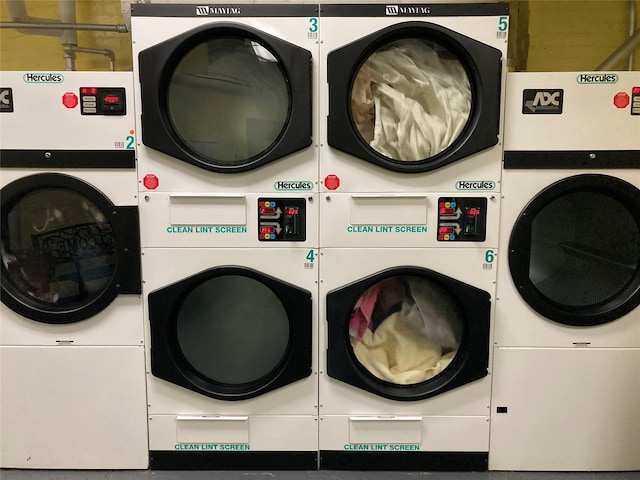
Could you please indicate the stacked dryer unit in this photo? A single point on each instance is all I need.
(229, 181)
(410, 168)
(566, 384)
(72, 342)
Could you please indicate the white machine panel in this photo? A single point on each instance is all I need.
(601, 111)
(68, 110)
(73, 408)
(228, 220)
(565, 409)
(409, 220)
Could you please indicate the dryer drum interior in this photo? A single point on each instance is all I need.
(226, 97)
(419, 96)
(574, 251)
(230, 333)
(67, 251)
(408, 334)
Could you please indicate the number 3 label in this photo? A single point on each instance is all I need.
(313, 28)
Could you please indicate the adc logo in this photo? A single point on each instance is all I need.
(6, 100)
(547, 102)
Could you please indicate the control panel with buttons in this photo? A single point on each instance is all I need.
(282, 219)
(462, 219)
(102, 101)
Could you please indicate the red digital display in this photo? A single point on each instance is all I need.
(292, 211)
(473, 212)
(111, 99)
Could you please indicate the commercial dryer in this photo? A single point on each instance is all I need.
(567, 363)
(411, 96)
(227, 96)
(406, 319)
(232, 331)
(71, 326)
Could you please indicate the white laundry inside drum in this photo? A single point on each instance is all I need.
(411, 99)
(405, 330)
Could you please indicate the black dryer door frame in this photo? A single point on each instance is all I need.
(170, 363)
(157, 64)
(124, 221)
(626, 298)
(482, 63)
(470, 363)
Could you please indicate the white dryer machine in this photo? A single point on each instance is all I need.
(406, 324)
(412, 96)
(227, 94)
(71, 326)
(566, 383)
(232, 330)
(233, 377)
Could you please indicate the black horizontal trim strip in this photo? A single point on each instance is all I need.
(67, 159)
(226, 11)
(404, 461)
(414, 10)
(578, 159)
(247, 460)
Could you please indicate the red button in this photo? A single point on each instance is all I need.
(621, 100)
(150, 181)
(70, 100)
(332, 182)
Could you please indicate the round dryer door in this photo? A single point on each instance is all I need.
(67, 251)
(414, 97)
(226, 97)
(408, 333)
(230, 333)
(574, 252)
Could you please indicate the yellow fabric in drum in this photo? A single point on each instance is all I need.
(398, 354)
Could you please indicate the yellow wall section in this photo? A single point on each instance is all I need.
(546, 35)
(21, 51)
(572, 35)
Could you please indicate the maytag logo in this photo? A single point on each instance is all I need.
(597, 78)
(547, 102)
(207, 10)
(289, 185)
(475, 185)
(407, 10)
(43, 78)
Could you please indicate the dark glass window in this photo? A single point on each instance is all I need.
(585, 248)
(405, 329)
(410, 99)
(233, 330)
(58, 248)
(229, 100)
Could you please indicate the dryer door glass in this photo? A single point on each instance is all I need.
(233, 330)
(228, 100)
(58, 248)
(410, 99)
(585, 249)
(405, 329)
